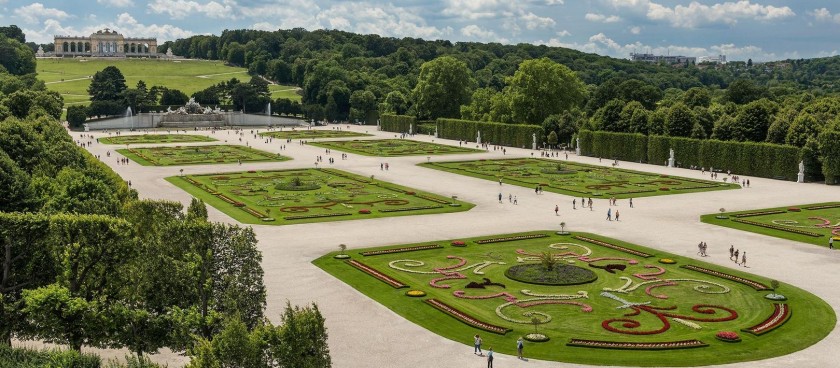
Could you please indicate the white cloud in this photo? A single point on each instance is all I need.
(476, 9)
(635, 30)
(554, 2)
(533, 21)
(385, 20)
(593, 17)
(179, 9)
(125, 24)
(698, 14)
(824, 15)
(477, 33)
(116, 3)
(35, 12)
(564, 33)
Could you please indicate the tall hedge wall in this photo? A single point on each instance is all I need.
(744, 158)
(397, 123)
(512, 135)
(622, 146)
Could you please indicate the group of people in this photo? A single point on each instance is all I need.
(520, 346)
(734, 253)
(701, 249)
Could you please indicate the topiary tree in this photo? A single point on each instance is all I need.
(562, 227)
(342, 248)
(548, 261)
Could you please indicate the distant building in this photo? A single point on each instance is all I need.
(668, 59)
(720, 59)
(105, 43)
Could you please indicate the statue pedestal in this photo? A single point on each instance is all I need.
(670, 162)
(534, 145)
(800, 178)
(577, 151)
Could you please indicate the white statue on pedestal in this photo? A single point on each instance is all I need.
(577, 146)
(800, 178)
(478, 137)
(534, 141)
(671, 159)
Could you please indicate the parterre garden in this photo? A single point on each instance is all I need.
(810, 223)
(392, 147)
(155, 138)
(196, 155)
(578, 179)
(310, 195)
(575, 295)
(313, 134)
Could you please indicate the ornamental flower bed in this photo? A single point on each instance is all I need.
(302, 217)
(684, 344)
(458, 243)
(379, 275)
(612, 246)
(238, 204)
(728, 336)
(254, 212)
(463, 317)
(664, 189)
(364, 211)
(781, 314)
(411, 209)
(794, 209)
(667, 261)
(759, 213)
(821, 207)
(415, 293)
(510, 238)
(399, 250)
(753, 284)
(777, 227)
(433, 199)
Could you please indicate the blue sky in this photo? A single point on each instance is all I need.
(741, 29)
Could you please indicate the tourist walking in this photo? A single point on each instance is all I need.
(500, 201)
(616, 215)
(519, 346)
(631, 202)
(831, 242)
(573, 203)
(515, 201)
(477, 343)
(556, 210)
(731, 251)
(736, 255)
(744, 259)
(609, 214)
(490, 358)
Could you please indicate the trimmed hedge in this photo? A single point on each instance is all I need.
(622, 146)
(513, 135)
(397, 123)
(743, 158)
(30, 358)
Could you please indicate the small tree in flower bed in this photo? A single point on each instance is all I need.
(341, 249)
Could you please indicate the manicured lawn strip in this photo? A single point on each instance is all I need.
(198, 155)
(393, 147)
(155, 138)
(812, 322)
(828, 210)
(339, 196)
(577, 179)
(313, 134)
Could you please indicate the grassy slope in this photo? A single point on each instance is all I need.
(436, 166)
(243, 217)
(183, 75)
(811, 319)
(796, 216)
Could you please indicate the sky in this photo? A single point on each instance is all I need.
(762, 30)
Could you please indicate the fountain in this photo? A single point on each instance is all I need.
(192, 115)
(268, 111)
(129, 122)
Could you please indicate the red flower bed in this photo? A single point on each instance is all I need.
(239, 204)
(781, 313)
(379, 275)
(794, 209)
(684, 344)
(613, 246)
(410, 193)
(777, 227)
(835, 205)
(728, 336)
(510, 238)
(252, 172)
(458, 243)
(753, 284)
(664, 189)
(463, 317)
(364, 211)
(758, 213)
(399, 250)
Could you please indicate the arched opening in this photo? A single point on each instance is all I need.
(87, 46)
(65, 47)
(80, 47)
(72, 47)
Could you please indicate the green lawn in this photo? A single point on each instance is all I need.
(392, 147)
(472, 280)
(803, 223)
(578, 179)
(196, 155)
(313, 134)
(71, 77)
(297, 196)
(155, 138)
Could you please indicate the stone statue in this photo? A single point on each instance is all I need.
(40, 52)
(671, 151)
(534, 141)
(801, 167)
(478, 137)
(169, 109)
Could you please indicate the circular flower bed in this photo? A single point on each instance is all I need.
(364, 211)
(415, 293)
(728, 336)
(560, 274)
(536, 337)
(667, 261)
(341, 256)
(459, 243)
(794, 209)
(774, 296)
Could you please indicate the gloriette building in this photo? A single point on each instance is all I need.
(105, 43)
